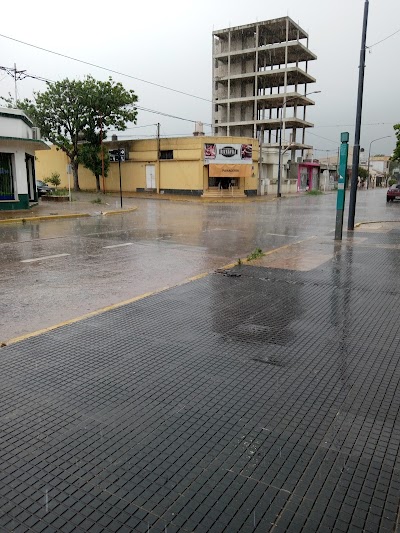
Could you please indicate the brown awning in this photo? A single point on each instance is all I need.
(229, 171)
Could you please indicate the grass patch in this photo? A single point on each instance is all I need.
(314, 192)
(60, 192)
(97, 201)
(256, 254)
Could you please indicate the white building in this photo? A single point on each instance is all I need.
(18, 143)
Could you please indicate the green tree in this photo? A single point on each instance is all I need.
(363, 173)
(72, 112)
(54, 179)
(90, 156)
(396, 152)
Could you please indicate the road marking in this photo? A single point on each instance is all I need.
(281, 235)
(26, 336)
(43, 258)
(119, 245)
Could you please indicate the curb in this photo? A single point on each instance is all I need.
(269, 252)
(102, 310)
(42, 217)
(69, 215)
(377, 222)
(115, 212)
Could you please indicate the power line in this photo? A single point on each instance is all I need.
(168, 115)
(104, 68)
(325, 138)
(382, 40)
(136, 106)
(353, 125)
(136, 127)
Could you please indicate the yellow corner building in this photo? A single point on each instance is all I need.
(199, 166)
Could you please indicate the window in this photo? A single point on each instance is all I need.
(6, 177)
(166, 154)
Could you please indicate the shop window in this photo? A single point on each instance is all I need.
(6, 177)
(166, 154)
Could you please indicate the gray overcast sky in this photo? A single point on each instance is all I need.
(169, 43)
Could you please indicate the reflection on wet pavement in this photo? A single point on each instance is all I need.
(256, 400)
(168, 242)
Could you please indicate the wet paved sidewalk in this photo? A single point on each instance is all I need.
(263, 399)
(83, 203)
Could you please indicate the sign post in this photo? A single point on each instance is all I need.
(120, 176)
(344, 151)
(118, 155)
(69, 172)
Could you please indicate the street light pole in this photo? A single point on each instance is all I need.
(356, 148)
(279, 193)
(369, 154)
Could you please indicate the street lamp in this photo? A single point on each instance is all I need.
(279, 194)
(369, 153)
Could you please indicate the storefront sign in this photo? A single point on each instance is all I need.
(239, 154)
(229, 171)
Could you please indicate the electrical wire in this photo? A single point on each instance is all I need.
(352, 125)
(382, 40)
(325, 138)
(168, 115)
(136, 106)
(104, 68)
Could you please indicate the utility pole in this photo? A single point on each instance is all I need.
(279, 193)
(120, 176)
(102, 155)
(15, 85)
(158, 180)
(327, 163)
(356, 148)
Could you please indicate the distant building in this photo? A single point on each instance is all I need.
(18, 143)
(260, 83)
(379, 164)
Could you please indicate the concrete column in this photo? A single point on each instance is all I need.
(256, 84)
(228, 111)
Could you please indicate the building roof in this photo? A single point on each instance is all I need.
(36, 144)
(274, 30)
(379, 158)
(9, 112)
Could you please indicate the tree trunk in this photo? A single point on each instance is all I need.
(75, 165)
(97, 182)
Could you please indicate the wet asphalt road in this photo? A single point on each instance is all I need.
(102, 261)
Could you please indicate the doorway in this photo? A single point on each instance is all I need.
(30, 177)
(150, 177)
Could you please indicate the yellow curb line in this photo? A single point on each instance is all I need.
(245, 260)
(377, 222)
(20, 338)
(100, 311)
(68, 215)
(42, 217)
(130, 210)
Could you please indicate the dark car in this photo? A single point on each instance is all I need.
(43, 188)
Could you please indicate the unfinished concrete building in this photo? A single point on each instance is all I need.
(260, 83)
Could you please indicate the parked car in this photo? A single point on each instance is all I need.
(393, 192)
(43, 188)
